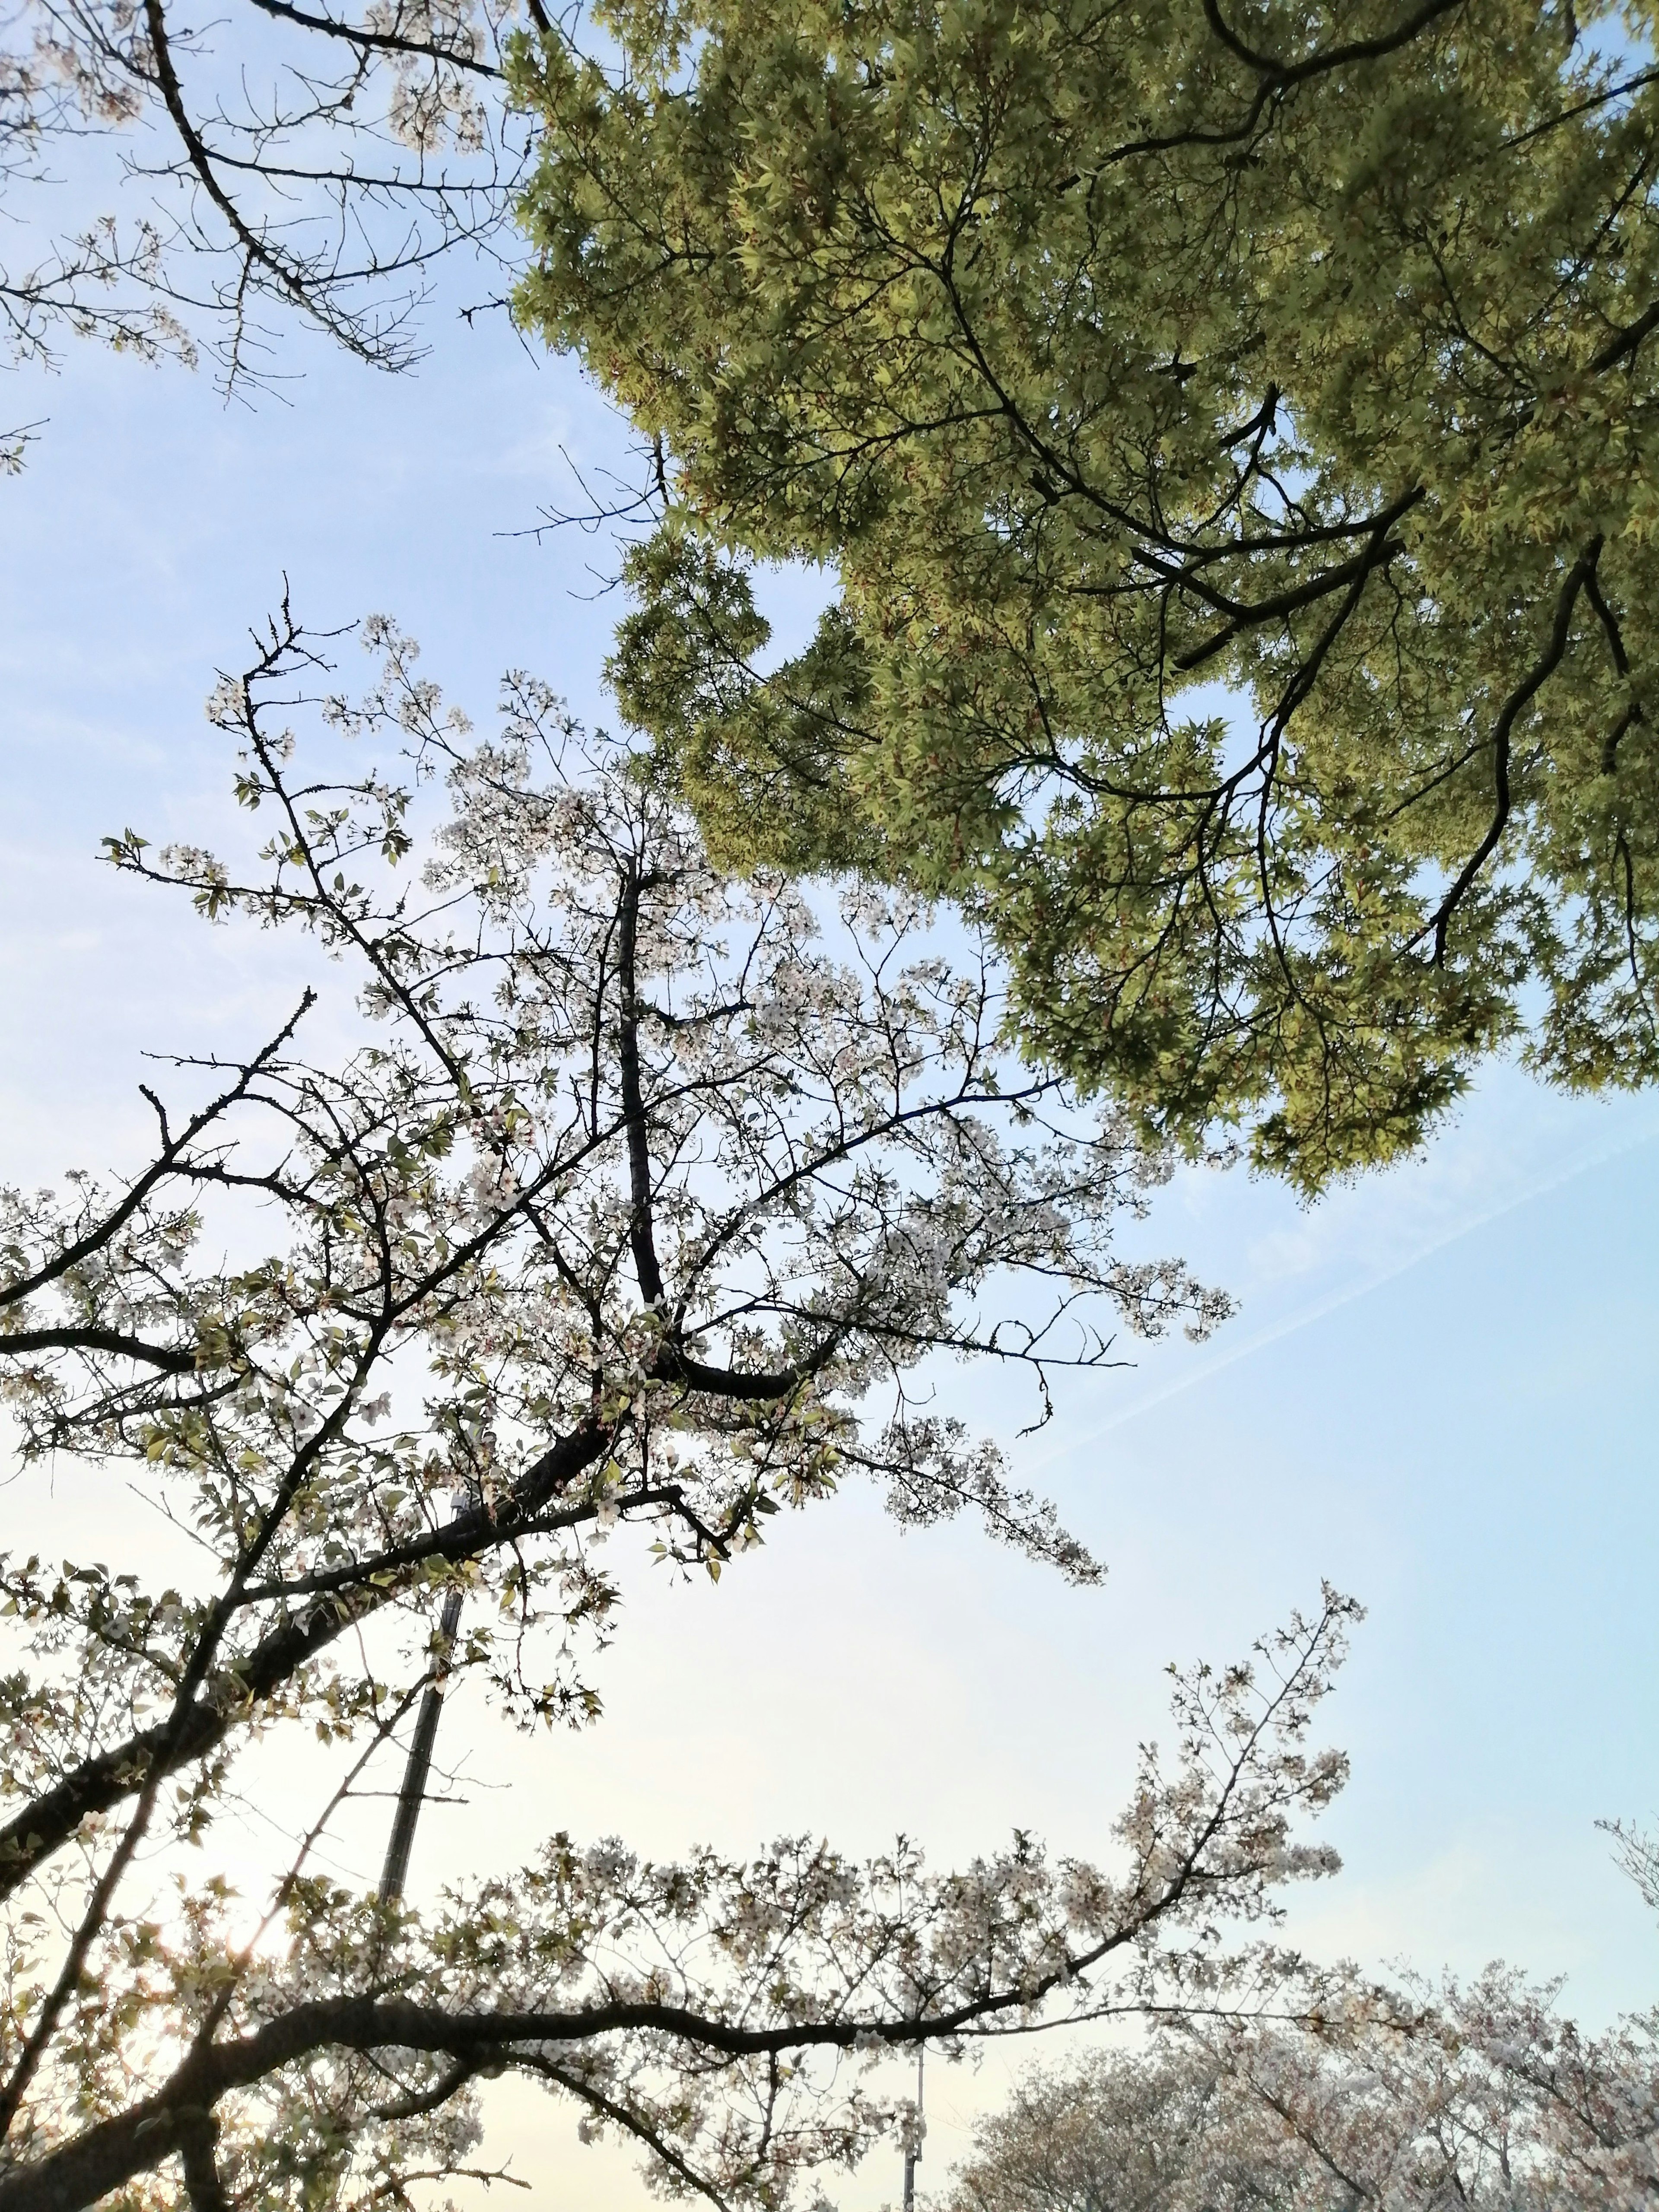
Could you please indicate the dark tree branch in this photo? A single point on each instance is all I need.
(1547, 662)
(256, 251)
(166, 1356)
(641, 1238)
(383, 42)
(201, 1724)
(1624, 343)
(174, 1150)
(198, 2140)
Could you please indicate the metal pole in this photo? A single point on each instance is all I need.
(913, 2144)
(419, 1767)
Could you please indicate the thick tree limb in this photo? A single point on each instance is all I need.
(1581, 570)
(167, 1357)
(188, 1736)
(107, 2156)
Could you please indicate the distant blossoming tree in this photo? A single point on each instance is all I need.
(1482, 2098)
(632, 1197)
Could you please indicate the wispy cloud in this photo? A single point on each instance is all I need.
(1198, 1369)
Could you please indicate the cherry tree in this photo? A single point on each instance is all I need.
(632, 1197)
(174, 185)
(1416, 2098)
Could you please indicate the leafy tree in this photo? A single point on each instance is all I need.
(1416, 2100)
(1230, 426)
(638, 1199)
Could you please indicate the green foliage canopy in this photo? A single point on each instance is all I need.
(1231, 425)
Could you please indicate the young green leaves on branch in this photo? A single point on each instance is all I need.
(1231, 433)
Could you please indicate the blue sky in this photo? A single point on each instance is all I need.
(1440, 1389)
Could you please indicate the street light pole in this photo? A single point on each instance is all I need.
(913, 2140)
(418, 1767)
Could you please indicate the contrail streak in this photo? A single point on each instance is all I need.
(1601, 1158)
